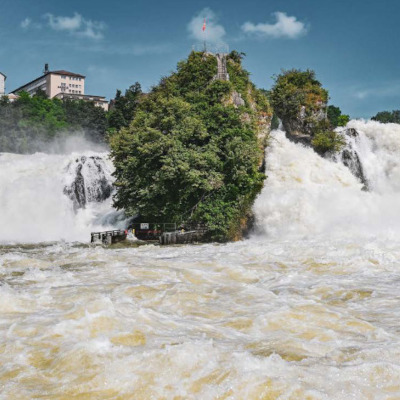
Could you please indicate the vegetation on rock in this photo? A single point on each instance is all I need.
(191, 153)
(300, 101)
(327, 141)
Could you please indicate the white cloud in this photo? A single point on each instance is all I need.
(284, 27)
(214, 32)
(25, 23)
(76, 25)
(383, 90)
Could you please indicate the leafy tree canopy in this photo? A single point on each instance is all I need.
(294, 89)
(300, 101)
(191, 154)
(123, 107)
(336, 118)
(388, 117)
(30, 123)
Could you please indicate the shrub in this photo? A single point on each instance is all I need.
(327, 141)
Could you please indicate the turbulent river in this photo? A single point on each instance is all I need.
(306, 308)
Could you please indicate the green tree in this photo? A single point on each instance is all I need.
(336, 118)
(343, 120)
(299, 100)
(190, 154)
(124, 107)
(86, 116)
(29, 124)
(388, 117)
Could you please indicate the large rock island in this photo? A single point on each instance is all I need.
(194, 150)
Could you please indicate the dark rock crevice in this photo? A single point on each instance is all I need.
(90, 183)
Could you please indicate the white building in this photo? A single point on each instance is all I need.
(2, 84)
(62, 84)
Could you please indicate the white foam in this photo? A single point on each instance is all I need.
(306, 195)
(33, 206)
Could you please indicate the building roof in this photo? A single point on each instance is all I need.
(60, 72)
(63, 72)
(5, 76)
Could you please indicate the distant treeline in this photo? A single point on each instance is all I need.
(388, 117)
(31, 124)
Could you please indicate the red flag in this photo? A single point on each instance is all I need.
(204, 25)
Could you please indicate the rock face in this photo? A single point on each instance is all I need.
(349, 156)
(237, 99)
(300, 129)
(89, 180)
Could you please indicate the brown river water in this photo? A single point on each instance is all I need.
(306, 308)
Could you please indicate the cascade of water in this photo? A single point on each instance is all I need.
(307, 195)
(378, 147)
(51, 197)
(36, 192)
(349, 155)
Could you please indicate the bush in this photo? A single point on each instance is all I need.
(327, 141)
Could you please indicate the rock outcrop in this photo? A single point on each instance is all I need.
(349, 156)
(89, 181)
(301, 128)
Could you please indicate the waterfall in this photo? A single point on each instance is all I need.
(349, 155)
(46, 197)
(307, 195)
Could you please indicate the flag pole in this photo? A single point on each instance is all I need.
(205, 35)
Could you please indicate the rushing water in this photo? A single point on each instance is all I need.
(307, 308)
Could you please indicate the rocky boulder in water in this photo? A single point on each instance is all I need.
(349, 156)
(90, 181)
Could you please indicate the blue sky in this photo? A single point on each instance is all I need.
(353, 45)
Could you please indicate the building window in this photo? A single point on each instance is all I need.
(63, 77)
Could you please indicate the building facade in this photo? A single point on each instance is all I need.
(2, 84)
(62, 84)
(55, 82)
